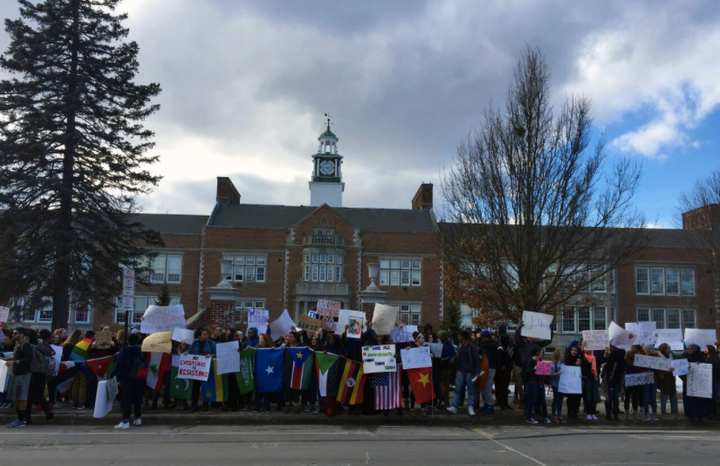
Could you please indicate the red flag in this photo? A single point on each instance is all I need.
(100, 365)
(421, 382)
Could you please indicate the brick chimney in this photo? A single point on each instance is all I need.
(423, 199)
(706, 217)
(226, 192)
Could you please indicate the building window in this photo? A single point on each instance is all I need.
(643, 314)
(45, 314)
(568, 320)
(673, 318)
(667, 318)
(672, 282)
(248, 268)
(599, 318)
(642, 281)
(573, 320)
(657, 278)
(323, 268)
(584, 319)
(409, 314)
(689, 318)
(82, 313)
(658, 316)
(166, 268)
(687, 282)
(400, 272)
(141, 305)
(661, 281)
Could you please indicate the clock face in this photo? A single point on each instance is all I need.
(327, 167)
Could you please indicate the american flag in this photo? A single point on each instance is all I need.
(387, 390)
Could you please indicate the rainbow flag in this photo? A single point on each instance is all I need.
(81, 351)
(215, 389)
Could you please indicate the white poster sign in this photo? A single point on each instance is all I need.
(57, 357)
(570, 382)
(4, 313)
(653, 362)
(643, 378)
(163, 319)
(3, 376)
(595, 340)
(416, 358)
(379, 358)
(672, 336)
(282, 326)
(183, 334)
(645, 332)
(619, 337)
(228, 357)
(259, 319)
(699, 380)
(194, 367)
(403, 334)
(344, 316)
(700, 337)
(107, 390)
(384, 318)
(436, 349)
(536, 325)
(681, 367)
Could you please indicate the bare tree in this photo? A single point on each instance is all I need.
(535, 217)
(700, 208)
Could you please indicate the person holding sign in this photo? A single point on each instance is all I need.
(555, 373)
(632, 394)
(201, 346)
(591, 393)
(667, 385)
(650, 390)
(132, 387)
(534, 388)
(573, 358)
(711, 357)
(696, 408)
(614, 374)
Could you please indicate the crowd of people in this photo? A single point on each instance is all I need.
(480, 367)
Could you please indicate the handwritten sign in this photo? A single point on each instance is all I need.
(228, 357)
(643, 378)
(403, 334)
(645, 332)
(619, 337)
(543, 368)
(328, 312)
(182, 334)
(163, 319)
(379, 358)
(384, 317)
(595, 340)
(681, 367)
(672, 336)
(416, 358)
(536, 325)
(103, 339)
(653, 362)
(310, 324)
(259, 319)
(699, 380)
(436, 349)
(160, 342)
(570, 382)
(700, 337)
(194, 367)
(4, 313)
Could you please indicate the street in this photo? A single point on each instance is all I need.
(349, 445)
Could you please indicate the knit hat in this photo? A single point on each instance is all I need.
(649, 347)
(486, 334)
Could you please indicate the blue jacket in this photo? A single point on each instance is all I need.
(554, 376)
(208, 348)
(125, 361)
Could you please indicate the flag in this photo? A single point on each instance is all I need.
(157, 365)
(215, 388)
(180, 389)
(81, 351)
(327, 365)
(387, 390)
(298, 367)
(269, 375)
(100, 366)
(246, 376)
(66, 376)
(352, 381)
(422, 385)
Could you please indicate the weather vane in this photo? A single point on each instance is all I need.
(329, 117)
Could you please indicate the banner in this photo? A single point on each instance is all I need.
(681, 367)
(544, 368)
(619, 337)
(228, 357)
(700, 337)
(182, 334)
(328, 312)
(384, 318)
(163, 319)
(570, 382)
(643, 378)
(194, 367)
(282, 326)
(536, 325)
(180, 389)
(380, 358)
(645, 332)
(595, 340)
(671, 336)
(699, 380)
(653, 362)
(259, 319)
(160, 342)
(310, 324)
(416, 358)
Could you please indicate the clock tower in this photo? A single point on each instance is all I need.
(326, 185)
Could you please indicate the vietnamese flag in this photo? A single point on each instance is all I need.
(421, 382)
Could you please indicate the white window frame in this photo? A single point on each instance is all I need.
(661, 283)
(248, 265)
(647, 281)
(410, 313)
(676, 281)
(249, 303)
(119, 314)
(164, 259)
(692, 273)
(402, 272)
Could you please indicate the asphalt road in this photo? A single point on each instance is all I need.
(348, 445)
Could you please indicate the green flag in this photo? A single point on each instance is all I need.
(180, 389)
(246, 376)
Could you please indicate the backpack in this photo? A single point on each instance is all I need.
(140, 368)
(38, 365)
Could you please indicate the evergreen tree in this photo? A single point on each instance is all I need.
(72, 155)
(452, 320)
(163, 298)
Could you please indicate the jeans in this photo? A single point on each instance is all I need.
(487, 389)
(557, 403)
(132, 397)
(464, 380)
(590, 395)
(673, 402)
(535, 398)
(650, 398)
(264, 397)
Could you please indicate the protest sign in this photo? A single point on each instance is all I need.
(595, 340)
(653, 362)
(355, 327)
(681, 367)
(310, 323)
(4, 314)
(619, 337)
(160, 342)
(57, 357)
(570, 382)
(700, 337)
(163, 319)
(645, 332)
(103, 339)
(3, 375)
(671, 336)
(379, 358)
(384, 318)
(182, 334)
(699, 380)
(344, 316)
(536, 325)
(403, 334)
(282, 326)
(328, 312)
(259, 319)
(543, 368)
(416, 358)
(107, 390)
(436, 349)
(194, 367)
(228, 357)
(643, 378)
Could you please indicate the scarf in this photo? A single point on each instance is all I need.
(590, 357)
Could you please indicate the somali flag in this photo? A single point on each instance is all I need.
(215, 388)
(269, 367)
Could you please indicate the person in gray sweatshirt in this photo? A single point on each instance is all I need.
(468, 368)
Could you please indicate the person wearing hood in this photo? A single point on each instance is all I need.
(590, 370)
(253, 338)
(696, 408)
(573, 357)
(667, 385)
(503, 374)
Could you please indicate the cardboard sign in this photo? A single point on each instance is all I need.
(653, 362)
(4, 313)
(384, 317)
(645, 332)
(163, 319)
(103, 339)
(310, 323)
(699, 380)
(595, 340)
(700, 337)
(671, 336)
(282, 326)
(328, 312)
(228, 357)
(681, 367)
(536, 325)
(158, 343)
(259, 319)
(644, 378)
(194, 367)
(619, 337)
(416, 358)
(182, 334)
(543, 368)
(380, 358)
(570, 382)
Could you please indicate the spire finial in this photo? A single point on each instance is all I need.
(329, 117)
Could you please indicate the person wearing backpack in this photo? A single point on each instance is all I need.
(20, 384)
(42, 354)
(129, 362)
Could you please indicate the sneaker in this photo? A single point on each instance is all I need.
(471, 411)
(655, 418)
(595, 418)
(589, 417)
(548, 421)
(647, 418)
(81, 408)
(49, 416)
(531, 421)
(317, 410)
(16, 424)
(562, 419)
(452, 409)
(257, 411)
(58, 405)
(488, 410)
(122, 426)
(138, 421)
(310, 409)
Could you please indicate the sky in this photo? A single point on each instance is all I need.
(246, 85)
